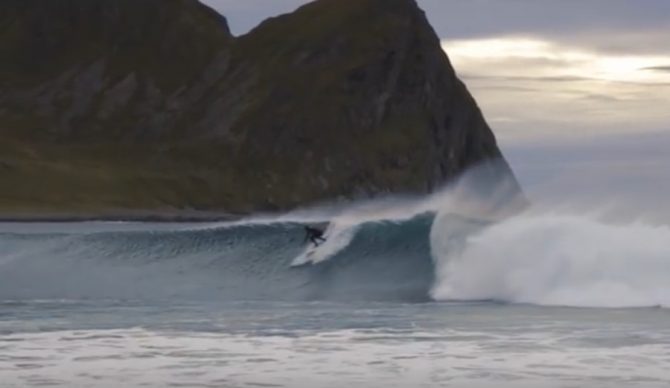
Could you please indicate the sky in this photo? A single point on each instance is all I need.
(573, 89)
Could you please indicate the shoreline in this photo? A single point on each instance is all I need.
(155, 217)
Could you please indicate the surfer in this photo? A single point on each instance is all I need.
(314, 235)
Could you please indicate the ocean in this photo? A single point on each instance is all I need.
(404, 293)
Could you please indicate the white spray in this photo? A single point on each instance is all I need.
(553, 257)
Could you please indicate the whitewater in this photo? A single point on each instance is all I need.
(469, 287)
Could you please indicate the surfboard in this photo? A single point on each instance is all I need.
(306, 257)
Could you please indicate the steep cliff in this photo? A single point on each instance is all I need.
(154, 105)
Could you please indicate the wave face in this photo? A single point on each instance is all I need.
(384, 260)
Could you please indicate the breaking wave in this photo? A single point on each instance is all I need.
(465, 243)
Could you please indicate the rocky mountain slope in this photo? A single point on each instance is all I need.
(153, 105)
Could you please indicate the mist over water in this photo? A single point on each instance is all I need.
(596, 235)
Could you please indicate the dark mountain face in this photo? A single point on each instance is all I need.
(152, 104)
(102, 69)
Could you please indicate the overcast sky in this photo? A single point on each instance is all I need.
(551, 74)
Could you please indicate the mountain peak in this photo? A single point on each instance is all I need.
(323, 15)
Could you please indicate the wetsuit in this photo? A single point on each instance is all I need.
(314, 235)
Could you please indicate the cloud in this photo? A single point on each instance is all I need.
(552, 60)
(529, 86)
(526, 78)
(642, 41)
(639, 26)
(658, 68)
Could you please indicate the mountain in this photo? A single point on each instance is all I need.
(152, 105)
